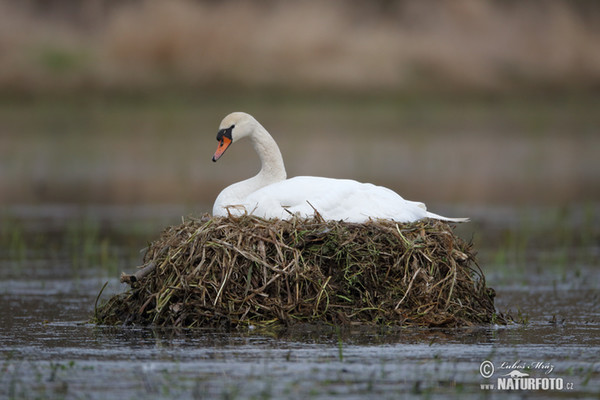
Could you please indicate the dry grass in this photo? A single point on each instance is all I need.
(464, 44)
(228, 272)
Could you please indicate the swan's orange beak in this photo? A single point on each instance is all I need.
(223, 145)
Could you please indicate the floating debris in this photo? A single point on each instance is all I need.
(248, 271)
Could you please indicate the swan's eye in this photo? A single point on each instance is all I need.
(225, 132)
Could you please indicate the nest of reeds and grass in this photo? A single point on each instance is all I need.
(247, 271)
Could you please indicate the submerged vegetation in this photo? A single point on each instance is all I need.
(227, 272)
(73, 243)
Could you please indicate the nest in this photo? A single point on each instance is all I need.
(242, 271)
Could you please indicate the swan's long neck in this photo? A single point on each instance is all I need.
(272, 170)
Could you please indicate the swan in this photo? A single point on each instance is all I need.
(270, 195)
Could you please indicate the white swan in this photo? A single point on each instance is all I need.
(270, 195)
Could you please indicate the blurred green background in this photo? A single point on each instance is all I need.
(463, 102)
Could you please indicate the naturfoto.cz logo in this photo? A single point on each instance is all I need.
(510, 376)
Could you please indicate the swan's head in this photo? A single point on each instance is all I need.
(233, 127)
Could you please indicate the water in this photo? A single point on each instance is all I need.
(49, 283)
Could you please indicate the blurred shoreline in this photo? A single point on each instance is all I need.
(463, 46)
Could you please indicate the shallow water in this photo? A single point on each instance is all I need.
(48, 287)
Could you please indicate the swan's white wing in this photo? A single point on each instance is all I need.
(334, 199)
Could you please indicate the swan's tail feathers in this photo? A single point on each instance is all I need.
(435, 216)
(420, 205)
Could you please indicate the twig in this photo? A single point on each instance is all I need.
(140, 274)
(408, 288)
(96, 302)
